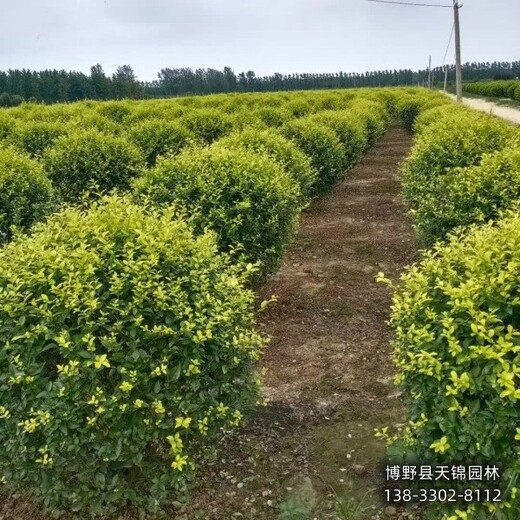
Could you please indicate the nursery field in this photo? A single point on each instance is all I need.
(238, 306)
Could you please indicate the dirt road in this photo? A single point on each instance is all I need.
(507, 113)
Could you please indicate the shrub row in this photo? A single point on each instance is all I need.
(94, 147)
(503, 89)
(437, 186)
(456, 314)
(128, 328)
(456, 317)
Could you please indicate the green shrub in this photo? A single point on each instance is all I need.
(93, 121)
(435, 114)
(91, 160)
(456, 318)
(453, 141)
(26, 194)
(500, 88)
(373, 115)
(245, 197)
(35, 137)
(299, 107)
(278, 149)
(408, 106)
(207, 124)
(128, 344)
(117, 111)
(6, 126)
(321, 145)
(156, 137)
(349, 130)
(464, 196)
(271, 116)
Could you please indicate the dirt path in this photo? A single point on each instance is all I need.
(328, 367)
(508, 113)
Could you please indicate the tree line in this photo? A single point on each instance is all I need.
(59, 86)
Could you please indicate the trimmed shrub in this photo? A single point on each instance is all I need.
(92, 121)
(373, 115)
(456, 318)
(435, 114)
(408, 106)
(321, 145)
(131, 343)
(35, 137)
(117, 111)
(300, 107)
(207, 124)
(6, 126)
(453, 141)
(500, 88)
(26, 194)
(464, 196)
(156, 137)
(91, 161)
(280, 150)
(245, 197)
(348, 129)
(271, 116)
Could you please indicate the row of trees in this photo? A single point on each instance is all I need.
(53, 86)
(59, 86)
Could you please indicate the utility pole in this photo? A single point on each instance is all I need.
(458, 60)
(430, 73)
(445, 78)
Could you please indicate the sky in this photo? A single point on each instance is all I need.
(265, 36)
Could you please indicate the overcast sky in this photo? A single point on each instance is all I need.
(262, 35)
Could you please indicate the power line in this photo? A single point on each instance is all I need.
(409, 3)
(449, 43)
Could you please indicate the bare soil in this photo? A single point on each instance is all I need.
(328, 368)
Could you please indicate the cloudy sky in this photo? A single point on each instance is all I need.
(262, 35)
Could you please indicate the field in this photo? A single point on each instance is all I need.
(205, 302)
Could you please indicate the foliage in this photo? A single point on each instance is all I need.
(408, 107)
(501, 89)
(349, 130)
(246, 198)
(266, 116)
(207, 124)
(26, 194)
(127, 344)
(456, 318)
(156, 137)
(35, 137)
(373, 115)
(280, 150)
(292, 510)
(464, 196)
(321, 145)
(91, 160)
(454, 140)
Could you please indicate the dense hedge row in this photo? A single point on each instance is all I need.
(437, 183)
(456, 317)
(127, 320)
(456, 314)
(502, 89)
